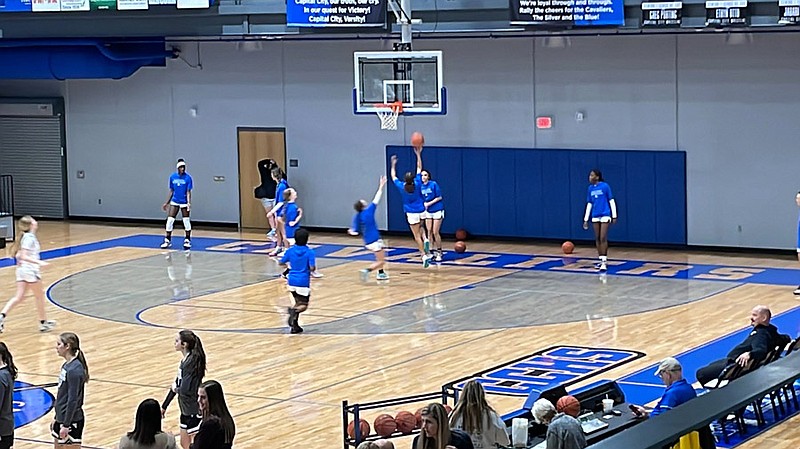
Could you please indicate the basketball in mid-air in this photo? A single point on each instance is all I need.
(417, 139)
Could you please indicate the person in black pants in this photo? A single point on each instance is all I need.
(761, 340)
(8, 372)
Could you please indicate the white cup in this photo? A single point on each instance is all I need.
(608, 404)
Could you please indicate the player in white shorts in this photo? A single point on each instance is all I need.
(602, 209)
(180, 198)
(29, 278)
(364, 223)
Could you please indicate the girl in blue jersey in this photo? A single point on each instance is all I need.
(434, 211)
(180, 198)
(602, 210)
(277, 212)
(413, 205)
(364, 224)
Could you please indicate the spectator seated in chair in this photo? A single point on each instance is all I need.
(678, 390)
(762, 339)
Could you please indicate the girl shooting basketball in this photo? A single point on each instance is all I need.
(364, 223)
(413, 204)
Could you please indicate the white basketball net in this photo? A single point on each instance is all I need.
(388, 114)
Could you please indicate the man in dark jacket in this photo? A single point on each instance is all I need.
(761, 340)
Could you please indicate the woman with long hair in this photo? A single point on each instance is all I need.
(436, 432)
(434, 212)
(413, 205)
(29, 277)
(218, 429)
(8, 373)
(602, 210)
(146, 433)
(474, 415)
(190, 375)
(67, 428)
(275, 215)
(364, 223)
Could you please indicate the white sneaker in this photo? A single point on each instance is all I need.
(796, 292)
(426, 260)
(47, 326)
(2, 323)
(438, 257)
(166, 244)
(602, 267)
(187, 244)
(363, 275)
(382, 276)
(317, 274)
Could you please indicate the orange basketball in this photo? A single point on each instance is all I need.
(406, 422)
(417, 139)
(460, 247)
(363, 426)
(418, 417)
(461, 234)
(569, 405)
(568, 247)
(385, 425)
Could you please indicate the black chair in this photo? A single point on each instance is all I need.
(788, 389)
(730, 373)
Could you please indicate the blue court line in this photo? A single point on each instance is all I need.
(541, 262)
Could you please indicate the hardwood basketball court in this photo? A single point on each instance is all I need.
(363, 342)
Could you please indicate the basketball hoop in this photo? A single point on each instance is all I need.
(388, 114)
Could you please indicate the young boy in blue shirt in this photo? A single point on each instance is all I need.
(302, 262)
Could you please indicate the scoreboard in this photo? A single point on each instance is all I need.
(567, 12)
(53, 6)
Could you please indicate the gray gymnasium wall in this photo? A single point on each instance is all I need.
(732, 108)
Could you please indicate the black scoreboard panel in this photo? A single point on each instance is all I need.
(789, 12)
(662, 14)
(727, 13)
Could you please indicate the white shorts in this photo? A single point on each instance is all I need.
(267, 203)
(375, 246)
(181, 206)
(302, 291)
(438, 215)
(25, 274)
(291, 241)
(601, 220)
(413, 218)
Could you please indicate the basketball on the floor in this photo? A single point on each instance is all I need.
(406, 422)
(461, 234)
(385, 425)
(568, 247)
(460, 247)
(363, 427)
(569, 405)
(417, 139)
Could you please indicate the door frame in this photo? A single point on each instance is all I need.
(238, 156)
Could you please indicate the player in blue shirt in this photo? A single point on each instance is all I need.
(276, 214)
(364, 223)
(302, 262)
(180, 198)
(434, 211)
(602, 210)
(413, 205)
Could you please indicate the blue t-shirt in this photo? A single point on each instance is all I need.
(279, 189)
(675, 395)
(180, 185)
(290, 214)
(430, 192)
(364, 223)
(412, 202)
(599, 196)
(300, 260)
